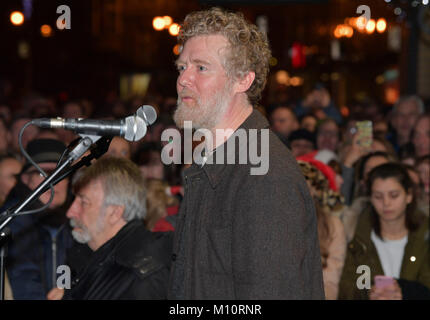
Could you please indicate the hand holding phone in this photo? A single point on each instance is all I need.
(364, 133)
(383, 281)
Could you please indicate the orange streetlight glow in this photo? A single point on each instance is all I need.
(343, 30)
(158, 23)
(296, 81)
(381, 25)
(349, 31)
(344, 111)
(46, 31)
(174, 29)
(282, 77)
(370, 27)
(17, 18)
(337, 32)
(167, 21)
(361, 23)
(177, 49)
(352, 21)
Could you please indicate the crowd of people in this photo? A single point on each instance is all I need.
(112, 223)
(372, 199)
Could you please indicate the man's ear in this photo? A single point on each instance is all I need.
(244, 83)
(115, 214)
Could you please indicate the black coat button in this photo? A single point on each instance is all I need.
(174, 257)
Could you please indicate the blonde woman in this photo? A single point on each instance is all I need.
(331, 233)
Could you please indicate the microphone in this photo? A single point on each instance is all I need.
(132, 128)
(147, 113)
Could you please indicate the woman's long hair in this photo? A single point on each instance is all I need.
(324, 232)
(321, 194)
(157, 202)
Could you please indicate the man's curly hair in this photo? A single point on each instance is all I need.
(249, 48)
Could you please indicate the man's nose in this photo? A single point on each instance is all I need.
(185, 79)
(73, 210)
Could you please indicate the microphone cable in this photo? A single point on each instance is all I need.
(42, 172)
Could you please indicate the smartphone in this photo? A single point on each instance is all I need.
(365, 133)
(383, 281)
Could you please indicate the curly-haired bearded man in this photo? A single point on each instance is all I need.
(239, 235)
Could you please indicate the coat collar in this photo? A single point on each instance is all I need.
(364, 228)
(214, 171)
(412, 248)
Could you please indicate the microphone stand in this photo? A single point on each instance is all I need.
(83, 145)
(101, 147)
(4, 238)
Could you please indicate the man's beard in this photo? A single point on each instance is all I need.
(204, 115)
(83, 235)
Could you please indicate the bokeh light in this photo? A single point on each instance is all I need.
(177, 49)
(46, 31)
(17, 18)
(381, 25)
(158, 23)
(370, 27)
(282, 77)
(174, 29)
(361, 23)
(167, 21)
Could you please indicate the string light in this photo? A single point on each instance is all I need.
(17, 18)
(167, 21)
(174, 29)
(46, 31)
(370, 27)
(158, 23)
(381, 25)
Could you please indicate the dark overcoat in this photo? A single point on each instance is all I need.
(243, 236)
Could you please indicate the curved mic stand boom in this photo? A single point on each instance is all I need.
(84, 144)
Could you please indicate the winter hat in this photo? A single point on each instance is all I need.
(44, 150)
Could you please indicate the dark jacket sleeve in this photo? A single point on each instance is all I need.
(153, 287)
(348, 289)
(153, 273)
(413, 290)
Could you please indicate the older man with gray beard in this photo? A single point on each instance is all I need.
(128, 262)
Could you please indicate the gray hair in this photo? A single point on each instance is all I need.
(122, 182)
(414, 98)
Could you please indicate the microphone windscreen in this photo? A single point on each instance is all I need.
(147, 113)
(135, 128)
